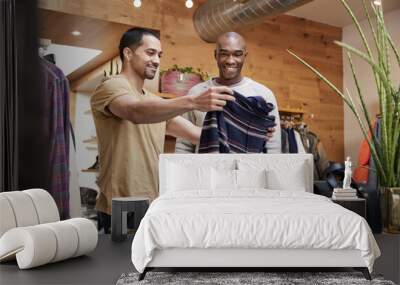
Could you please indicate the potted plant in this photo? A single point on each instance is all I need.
(385, 150)
(178, 80)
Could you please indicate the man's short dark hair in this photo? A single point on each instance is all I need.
(132, 38)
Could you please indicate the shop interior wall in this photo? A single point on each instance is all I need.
(268, 61)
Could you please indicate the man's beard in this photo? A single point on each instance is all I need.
(150, 74)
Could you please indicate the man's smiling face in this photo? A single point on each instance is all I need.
(230, 55)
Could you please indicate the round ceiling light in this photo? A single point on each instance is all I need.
(137, 3)
(76, 33)
(189, 4)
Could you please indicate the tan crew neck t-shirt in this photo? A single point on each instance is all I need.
(128, 152)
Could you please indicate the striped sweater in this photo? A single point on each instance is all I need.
(240, 128)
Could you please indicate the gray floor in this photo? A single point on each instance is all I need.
(103, 266)
(389, 263)
(111, 259)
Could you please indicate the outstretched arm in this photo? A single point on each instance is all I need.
(157, 110)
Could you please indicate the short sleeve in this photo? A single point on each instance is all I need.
(106, 92)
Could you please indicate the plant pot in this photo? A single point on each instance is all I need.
(178, 83)
(390, 209)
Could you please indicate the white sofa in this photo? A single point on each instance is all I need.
(31, 231)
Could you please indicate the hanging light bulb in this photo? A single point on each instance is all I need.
(137, 3)
(189, 4)
(377, 2)
(76, 33)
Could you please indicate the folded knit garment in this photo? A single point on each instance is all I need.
(240, 128)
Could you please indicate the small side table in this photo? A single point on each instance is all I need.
(121, 206)
(358, 206)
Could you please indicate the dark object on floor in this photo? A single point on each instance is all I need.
(104, 222)
(88, 203)
(243, 278)
(124, 208)
(88, 197)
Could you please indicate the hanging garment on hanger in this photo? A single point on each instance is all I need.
(361, 172)
(299, 143)
(57, 90)
(305, 138)
(315, 147)
(50, 58)
(292, 141)
(322, 162)
(240, 128)
(284, 141)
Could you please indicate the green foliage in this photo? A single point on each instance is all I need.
(204, 75)
(386, 150)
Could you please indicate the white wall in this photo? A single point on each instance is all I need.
(352, 132)
(84, 129)
(70, 58)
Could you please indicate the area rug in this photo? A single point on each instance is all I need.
(244, 278)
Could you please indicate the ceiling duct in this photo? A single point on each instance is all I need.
(218, 16)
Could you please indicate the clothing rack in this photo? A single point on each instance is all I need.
(56, 93)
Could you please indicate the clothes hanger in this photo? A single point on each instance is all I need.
(43, 45)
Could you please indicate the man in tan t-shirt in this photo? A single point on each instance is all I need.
(131, 123)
